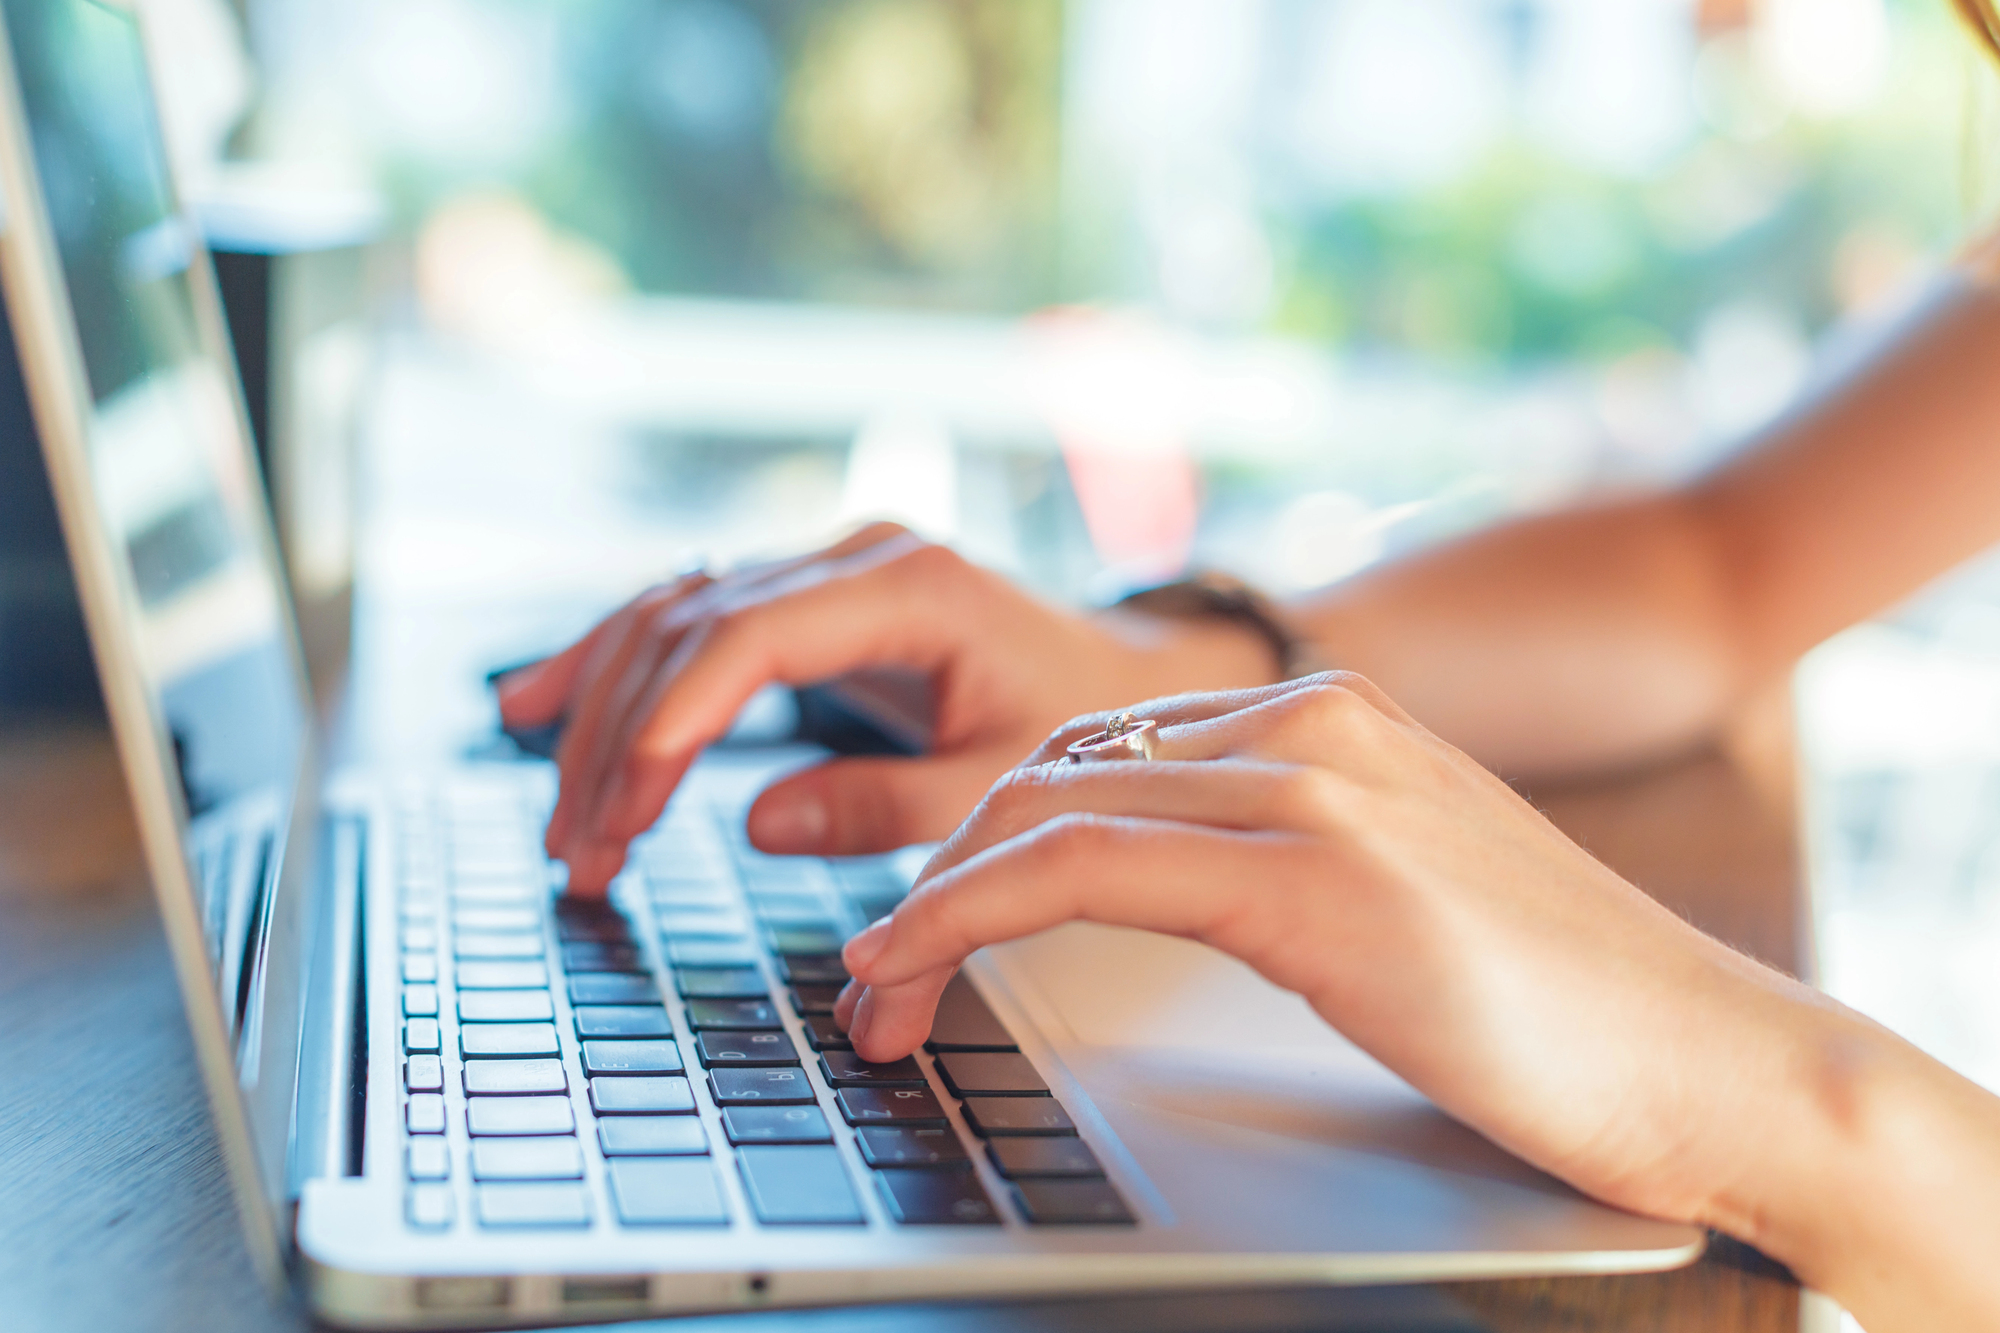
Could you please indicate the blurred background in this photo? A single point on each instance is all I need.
(1097, 289)
(1345, 274)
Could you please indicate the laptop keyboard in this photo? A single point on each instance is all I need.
(566, 1062)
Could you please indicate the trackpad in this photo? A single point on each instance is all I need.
(1178, 1027)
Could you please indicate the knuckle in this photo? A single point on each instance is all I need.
(928, 562)
(1308, 792)
(1020, 791)
(735, 624)
(1074, 834)
(881, 530)
(1333, 705)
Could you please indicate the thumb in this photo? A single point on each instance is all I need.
(852, 807)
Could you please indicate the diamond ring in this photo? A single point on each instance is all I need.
(1125, 736)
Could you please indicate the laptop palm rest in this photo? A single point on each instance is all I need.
(1256, 1124)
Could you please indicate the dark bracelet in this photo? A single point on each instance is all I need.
(1212, 596)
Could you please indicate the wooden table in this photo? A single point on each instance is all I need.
(115, 1216)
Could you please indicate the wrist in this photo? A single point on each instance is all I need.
(1178, 655)
(1867, 1169)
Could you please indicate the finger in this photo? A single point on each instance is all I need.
(852, 807)
(1228, 794)
(609, 671)
(895, 604)
(592, 865)
(1149, 874)
(613, 710)
(660, 646)
(537, 694)
(843, 1003)
(750, 575)
(1338, 721)
(612, 648)
(887, 1023)
(1170, 710)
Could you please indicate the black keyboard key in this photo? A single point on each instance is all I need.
(648, 1095)
(721, 983)
(1071, 1203)
(815, 999)
(890, 1106)
(508, 1039)
(994, 1117)
(964, 1023)
(527, 1159)
(613, 988)
(508, 1116)
(845, 1069)
(652, 1136)
(990, 1074)
(1024, 1159)
(631, 1057)
(420, 1036)
(872, 885)
(776, 1124)
(937, 1198)
(825, 1034)
(569, 909)
(813, 969)
(590, 957)
(610, 929)
(513, 1077)
(749, 1087)
(745, 1048)
(734, 1015)
(804, 940)
(534, 1206)
(610, 1022)
(501, 976)
(666, 1192)
(900, 1146)
(736, 952)
(516, 944)
(505, 1006)
(798, 1186)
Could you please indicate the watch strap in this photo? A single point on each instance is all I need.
(1214, 596)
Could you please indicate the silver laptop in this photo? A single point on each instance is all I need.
(447, 1097)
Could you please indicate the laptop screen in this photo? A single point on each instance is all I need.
(173, 479)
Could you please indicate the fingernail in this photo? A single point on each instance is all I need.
(795, 824)
(864, 1014)
(866, 947)
(514, 682)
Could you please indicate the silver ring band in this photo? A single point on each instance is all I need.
(1125, 737)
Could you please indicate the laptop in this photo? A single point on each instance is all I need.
(449, 1097)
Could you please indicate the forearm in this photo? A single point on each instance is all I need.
(1585, 639)
(1610, 635)
(1870, 1169)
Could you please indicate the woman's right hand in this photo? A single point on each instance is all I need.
(1318, 833)
(644, 691)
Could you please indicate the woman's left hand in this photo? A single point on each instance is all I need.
(1422, 907)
